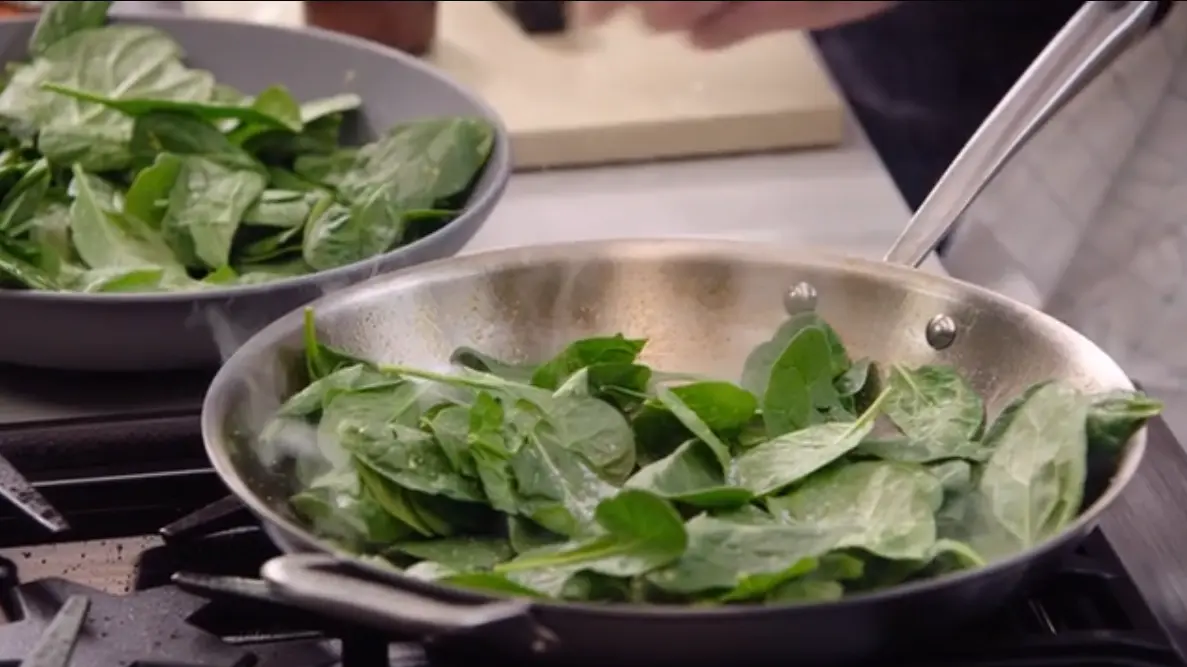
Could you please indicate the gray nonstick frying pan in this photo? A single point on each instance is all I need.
(162, 331)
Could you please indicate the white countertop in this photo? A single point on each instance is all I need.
(617, 92)
(836, 199)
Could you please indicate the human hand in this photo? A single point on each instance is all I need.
(716, 25)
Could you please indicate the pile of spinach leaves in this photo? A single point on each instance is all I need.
(124, 170)
(593, 477)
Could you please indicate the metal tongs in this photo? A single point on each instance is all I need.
(1090, 42)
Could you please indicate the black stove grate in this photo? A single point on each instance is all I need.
(196, 603)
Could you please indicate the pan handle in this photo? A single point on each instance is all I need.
(1098, 33)
(326, 584)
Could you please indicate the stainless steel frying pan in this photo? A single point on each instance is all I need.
(703, 305)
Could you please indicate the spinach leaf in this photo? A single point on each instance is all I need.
(557, 489)
(491, 452)
(450, 425)
(206, 204)
(910, 450)
(640, 532)
(716, 407)
(121, 280)
(1033, 483)
(588, 427)
(284, 209)
(526, 536)
(62, 19)
(413, 167)
(47, 243)
(114, 60)
(321, 359)
(23, 201)
(374, 414)
(850, 383)
(690, 475)
(24, 273)
(800, 390)
(413, 460)
(935, 408)
(339, 508)
(105, 240)
(959, 480)
(887, 509)
(583, 353)
(148, 197)
(566, 582)
(782, 461)
(314, 110)
(162, 131)
(460, 553)
(475, 360)
(311, 400)
(724, 555)
(326, 169)
(824, 584)
(337, 235)
(695, 425)
(287, 118)
(1115, 416)
(417, 511)
(598, 432)
(756, 372)
(312, 127)
(417, 165)
(720, 406)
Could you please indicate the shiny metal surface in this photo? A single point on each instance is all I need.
(20, 492)
(703, 305)
(1083, 49)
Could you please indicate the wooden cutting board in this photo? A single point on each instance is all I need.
(617, 93)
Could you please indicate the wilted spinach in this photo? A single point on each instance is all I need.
(588, 476)
(170, 181)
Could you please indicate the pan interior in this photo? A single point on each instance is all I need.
(703, 306)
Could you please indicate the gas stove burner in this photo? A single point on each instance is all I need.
(219, 515)
(18, 491)
(63, 624)
(196, 599)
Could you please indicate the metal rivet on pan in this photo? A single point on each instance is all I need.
(800, 298)
(941, 332)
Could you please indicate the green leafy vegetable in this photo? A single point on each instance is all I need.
(591, 477)
(790, 457)
(1113, 418)
(938, 413)
(191, 185)
(1033, 483)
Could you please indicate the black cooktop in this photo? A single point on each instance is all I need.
(159, 566)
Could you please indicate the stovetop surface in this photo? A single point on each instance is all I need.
(121, 458)
(29, 395)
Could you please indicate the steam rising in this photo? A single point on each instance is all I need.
(230, 329)
(700, 318)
